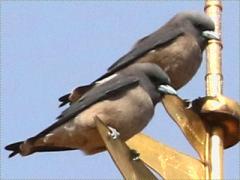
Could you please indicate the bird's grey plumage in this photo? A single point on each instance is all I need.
(125, 102)
(176, 47)
(182, 24)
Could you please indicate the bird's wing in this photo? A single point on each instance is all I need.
(144, 45)
(100, 93)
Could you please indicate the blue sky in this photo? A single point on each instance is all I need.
(49, 47)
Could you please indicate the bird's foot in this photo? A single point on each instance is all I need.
(134, 155)
(113, 133)
(187, 103)
(189, 106)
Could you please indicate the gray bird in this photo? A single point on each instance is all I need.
(176, 47)
(125, 102)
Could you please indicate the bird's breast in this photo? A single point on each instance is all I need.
(128, 112)
(180, 59)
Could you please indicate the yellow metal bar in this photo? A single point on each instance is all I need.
(217, 153)
(206, 160)
(189, 122)
(165, 160)
(214, 87)
(127, 161)
(214, 78)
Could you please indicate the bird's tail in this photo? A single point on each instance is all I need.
(28, 147)
(15, 147)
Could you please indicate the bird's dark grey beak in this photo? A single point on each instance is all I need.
(166, 89)
(210, 35)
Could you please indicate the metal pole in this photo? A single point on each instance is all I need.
(216, 154)
(214, 87)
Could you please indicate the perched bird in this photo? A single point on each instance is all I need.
(124, 102)
(176, 47)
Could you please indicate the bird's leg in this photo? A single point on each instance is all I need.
(134, 155)
(113, 133)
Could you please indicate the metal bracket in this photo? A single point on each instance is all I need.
(127, 162)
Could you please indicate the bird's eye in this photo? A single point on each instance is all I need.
(199, 26)
(153, 79)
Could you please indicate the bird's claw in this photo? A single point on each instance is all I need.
(134, 155)
(188, 103)
(113, 133)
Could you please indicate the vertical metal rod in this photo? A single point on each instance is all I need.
(214, 78)
(217, 154)
(214, 87)
(206, 156)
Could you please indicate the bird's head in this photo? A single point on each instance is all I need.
(158, 77)
(198, 24)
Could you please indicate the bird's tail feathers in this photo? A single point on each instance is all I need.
(15, 147)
